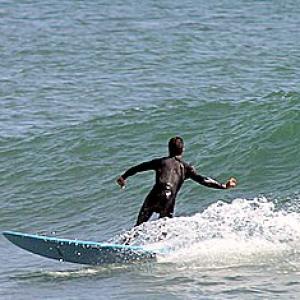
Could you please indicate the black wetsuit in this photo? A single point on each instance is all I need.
(171, 172)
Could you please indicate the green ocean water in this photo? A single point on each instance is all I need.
(90, 88)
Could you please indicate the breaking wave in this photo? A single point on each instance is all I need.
(237, 231)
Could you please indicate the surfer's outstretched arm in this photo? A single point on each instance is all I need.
(145, 166)
(210, 182)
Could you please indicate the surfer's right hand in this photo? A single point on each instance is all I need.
(121, 182)
(231, 183)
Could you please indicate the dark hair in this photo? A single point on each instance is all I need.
(176, 146)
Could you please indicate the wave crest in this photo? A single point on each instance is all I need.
(243, 227)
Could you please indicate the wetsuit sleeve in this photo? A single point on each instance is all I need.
(206, 181)
(145, 166)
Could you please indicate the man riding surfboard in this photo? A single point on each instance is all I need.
(171, 172)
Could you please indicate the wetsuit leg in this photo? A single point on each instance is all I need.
(147, 209)
(144, 215)
(159, 201)
(168, 210)
(168, 214)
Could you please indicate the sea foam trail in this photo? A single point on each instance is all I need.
(224, 231)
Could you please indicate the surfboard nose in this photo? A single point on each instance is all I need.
(14, 237)
(10, 234)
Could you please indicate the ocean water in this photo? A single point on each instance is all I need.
(90, 88)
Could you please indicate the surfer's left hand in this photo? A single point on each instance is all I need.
(231, 183)
(121, 182)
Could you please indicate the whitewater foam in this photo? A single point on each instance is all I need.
(241, 231)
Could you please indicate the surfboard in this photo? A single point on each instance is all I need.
(79, 252)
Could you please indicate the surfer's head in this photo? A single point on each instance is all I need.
(176, 146)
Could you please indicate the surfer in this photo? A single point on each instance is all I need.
(171, 172)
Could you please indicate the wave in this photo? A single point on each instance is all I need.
(225, 233)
